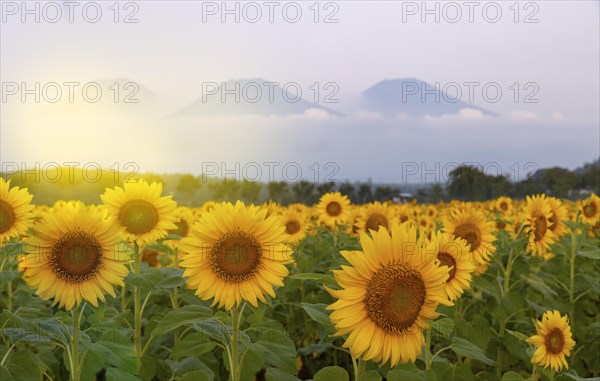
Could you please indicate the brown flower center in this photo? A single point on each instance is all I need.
(504, 206)
(554, 341)
(138, 216)
(448, 260)
(334, 209)
(292, 227)
(76, 256)
(553, 222)
(150, 257)
(182, 228)
(469, 233)
(236, 256)
(376, 220)
(7, 216)
(500, 225)
(540, 226)
(589, 210)
(395, 295)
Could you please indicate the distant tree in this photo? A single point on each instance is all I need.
(187, 186)
(225, 190)
(326, 188)
(468, 183)
(385, 193)
(250, 191)
(436, 193)
(304, 192)
(558, 181)
(590, 179)
(365, 193)
(277, 191)
(349, 190)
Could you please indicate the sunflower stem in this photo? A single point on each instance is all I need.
(572, 277)
(124, 297)
(9, 296)
(137, 295)
(362, 366)
(428, 349)
(534, 376)
(75, 346)
(235, 365)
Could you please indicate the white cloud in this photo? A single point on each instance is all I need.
(523, 115)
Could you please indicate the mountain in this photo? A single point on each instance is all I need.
(254, 98)
(392, 97)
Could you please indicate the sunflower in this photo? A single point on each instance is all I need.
(375, 215)
(139, 208)
(15, 211)
(403, 213)
(472, 226)
(234, 253)
(185, 219)
(503, 205)
(388, 292)
(74, 256)
(590, 210)
(455, 254)
(558, 214)
(354, 216)
(553, 341)
(295, 225)
(333, 209)
(538, 213)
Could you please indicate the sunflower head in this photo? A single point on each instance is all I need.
(455, 254)
(15, 211)
(387, 293)
(140, 209)
(553, 341)
(503, 205)
(375, 215)
(538, 214)
(74, 255)
(235, 253)
(333, 209)
(473, 226)
(590, 210)
(295, 224)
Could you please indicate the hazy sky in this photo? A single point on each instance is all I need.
(171, 51)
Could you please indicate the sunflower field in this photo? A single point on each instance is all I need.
(139, 288)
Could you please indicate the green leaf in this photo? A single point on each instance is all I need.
(330, 373)
(278, 350)
(444, 326)
(196, 375)
(253, 361)
(512, 376)
(370, 375)
(465, 348)
(403, 375)
(317, 312)
(593, 254)
(148, 368)
(194, 344)
(180, 317)
(188, 365)
(8, 276)
(115, 374)
(540, 285)
(24, 364)
(274, 374)
(572, 374)
(320, 278)
(518, 335)
(120, 355)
